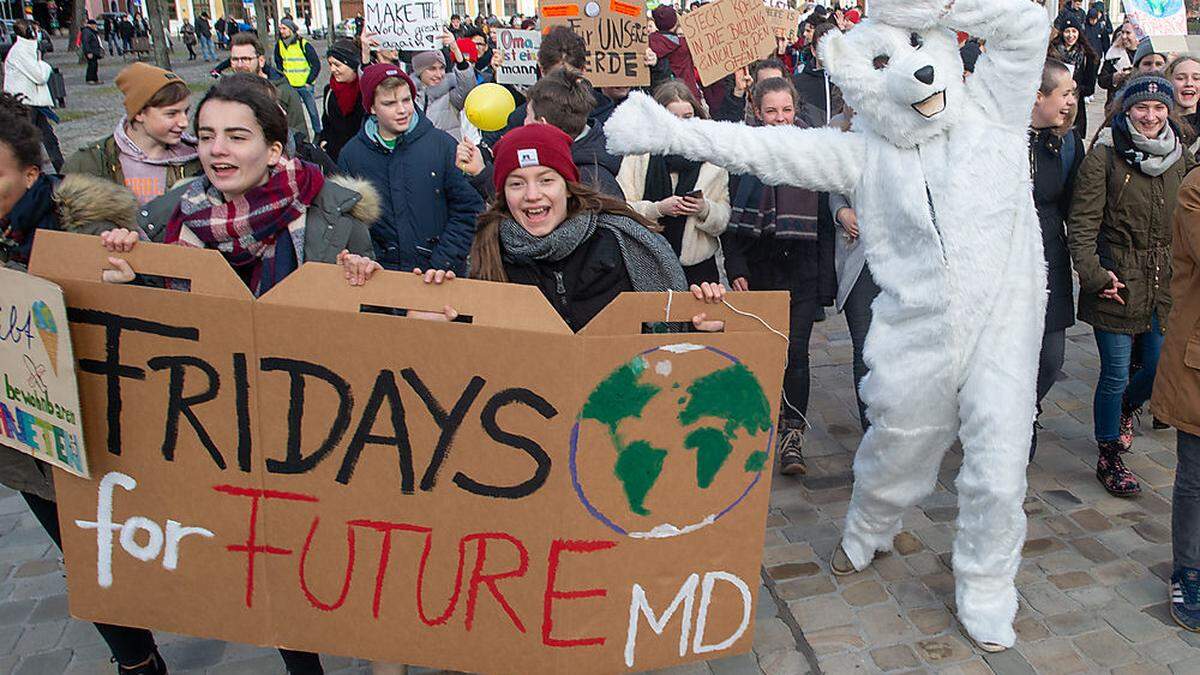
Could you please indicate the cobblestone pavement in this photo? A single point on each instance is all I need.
(1092, 584)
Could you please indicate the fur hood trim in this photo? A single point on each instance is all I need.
(369, 206)
(84, 200)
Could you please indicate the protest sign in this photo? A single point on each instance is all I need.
(39, 403)
(520, 48)
(414, 25)
(616, 35)
(1165, 23)
(726, 35)
(784, 22)
(499, 495)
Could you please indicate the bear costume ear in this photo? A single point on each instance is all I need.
(918, 14)
(846, 65)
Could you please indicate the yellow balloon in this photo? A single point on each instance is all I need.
(489, 105)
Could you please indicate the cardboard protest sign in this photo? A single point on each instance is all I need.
(315, 471)
(615, 32)
(784, 22)
(413, 25)
(520, 48)
(39, 403)
(726, 35)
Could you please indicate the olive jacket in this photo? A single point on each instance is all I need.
(1121, 222)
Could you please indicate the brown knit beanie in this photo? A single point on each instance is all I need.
(139, 82)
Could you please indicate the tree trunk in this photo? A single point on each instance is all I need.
(260, 22)
(158, 32)
(78, 16)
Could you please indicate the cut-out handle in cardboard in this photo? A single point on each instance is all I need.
(323, 286)
(63, 255)
(626, 314)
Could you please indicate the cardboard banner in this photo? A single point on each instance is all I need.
(726, 35)
(315, 471)
(784, 22)
(520, 48)
(413, 25)
(39, 403)
(616, 33)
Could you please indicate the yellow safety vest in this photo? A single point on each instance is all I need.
(295, 63)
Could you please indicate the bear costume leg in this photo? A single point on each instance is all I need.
(911, 397)
(997, 408)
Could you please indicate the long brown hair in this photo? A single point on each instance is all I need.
(487, 261)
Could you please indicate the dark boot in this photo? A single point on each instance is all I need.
(154, 665)
(1112, 472)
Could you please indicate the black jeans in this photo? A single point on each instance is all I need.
(93, 64)
(49, 139)
(1050, 362)
(129, 646)
(858, 320)
(1185, 502)
(796, 379)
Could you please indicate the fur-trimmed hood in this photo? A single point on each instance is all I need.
(90, 205)
(367, 207)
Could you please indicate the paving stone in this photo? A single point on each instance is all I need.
(1153, 532)
(1141, 669)
(46, 662)
(1117, 571)
(1009, 662)
(1093, 597)
(36, 568)
(835, 639)
(1091, 520)
(15, 611)
(52, 608)
(193, 653)
(1134, 625)
(1071, 580)
(1165, 651)
(742, 664)
(821, 612)
(783, 663)
(1073, 623)
(884, 625)
(1036, 547)
(771, 635)
(1161, 612)
(1055, 656)
(40, 638)
(1106, 648)
(890, 568)
(1142, 592)
(945, 649)
(864, 593)
(1093, 550)
(845, 663)
(796, 589)
(1061, 499)
(1030, 629)
(787, 553)
(906, 544)
(930, 620)
(925, 563)
(896, 657)
(975, 666)
(793, 570)
(1152, 555)
(912, 593)
(1045, 598)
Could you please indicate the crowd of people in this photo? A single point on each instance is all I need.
(383, 171)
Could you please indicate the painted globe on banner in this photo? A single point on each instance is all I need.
(670, 441)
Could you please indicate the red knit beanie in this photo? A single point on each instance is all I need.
(373, 75)
(534, 145)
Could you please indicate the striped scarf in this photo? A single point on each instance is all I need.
(247, 229)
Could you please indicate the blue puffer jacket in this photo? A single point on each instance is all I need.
(429, 208)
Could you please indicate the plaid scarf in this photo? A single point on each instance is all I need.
(247, 229)
(783, 211)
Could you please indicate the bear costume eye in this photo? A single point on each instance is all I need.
(916, 41)
(881, 61)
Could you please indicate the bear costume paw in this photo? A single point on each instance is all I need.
(918, 14)
(639, 126)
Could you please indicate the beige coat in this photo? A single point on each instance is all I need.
(1177, 383)
(700, 236)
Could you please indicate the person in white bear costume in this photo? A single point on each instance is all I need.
(938, 171)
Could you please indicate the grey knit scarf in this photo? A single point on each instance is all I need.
(649, 260)
(1158, 154)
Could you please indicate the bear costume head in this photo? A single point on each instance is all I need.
(904, 84)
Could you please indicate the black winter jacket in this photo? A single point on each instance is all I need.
(337, 129)
(1053, 186)
(580, 285)
(598, 168)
